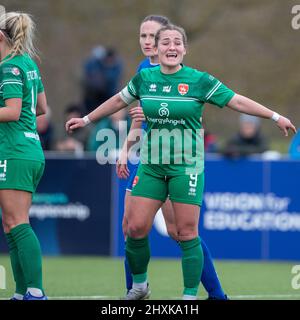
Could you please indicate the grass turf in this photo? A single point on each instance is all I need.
(86, 277)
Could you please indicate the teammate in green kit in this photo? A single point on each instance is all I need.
(172, 97)
(22, 162)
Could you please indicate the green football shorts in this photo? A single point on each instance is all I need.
(20, 174)
(185, 188)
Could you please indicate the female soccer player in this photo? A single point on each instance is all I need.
(22, 98)
(172, 96)
(148, 28)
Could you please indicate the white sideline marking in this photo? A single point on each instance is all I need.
(261, 296)
(232, 297)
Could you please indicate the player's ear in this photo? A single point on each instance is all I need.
(2, 37)
(155, 50)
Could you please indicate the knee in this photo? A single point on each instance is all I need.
(187, 233)
(124, 226)
(136, 229)
(8, 223)
(5, 226)
(172, 232)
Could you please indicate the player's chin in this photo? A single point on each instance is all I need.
(148, 53)
(171, 62)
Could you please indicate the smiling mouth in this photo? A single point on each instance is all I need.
(171, 55)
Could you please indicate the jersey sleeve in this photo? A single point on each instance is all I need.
(131, 92)
(12, 82)
(40, 85)
(214, 91)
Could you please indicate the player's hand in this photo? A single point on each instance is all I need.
(137, 114)
(285, 125)
(74, 123)
(122, 168)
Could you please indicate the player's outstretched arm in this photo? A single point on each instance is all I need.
(245, 105)
(107, 108)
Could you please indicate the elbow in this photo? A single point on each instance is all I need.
(41, 108)
(15, 117)
(236, 103)
(40, 112)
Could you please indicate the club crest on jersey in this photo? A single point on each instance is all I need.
(15, 71)
(183, 88)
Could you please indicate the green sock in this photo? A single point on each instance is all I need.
(138, 256)
(30, 255)
(21, 286)
(192, 265)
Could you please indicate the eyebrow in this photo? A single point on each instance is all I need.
(144, 34)
(168, 38)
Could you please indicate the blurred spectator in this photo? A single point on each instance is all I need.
(210, 142)
(45, 130)
(69, 144)
(118, 130)
(101, 77)
(113, 69)
(248, 140)
(82, 134)
(294, 149)
(210, 139)
(78, 140)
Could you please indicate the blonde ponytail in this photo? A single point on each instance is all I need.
(19, 29)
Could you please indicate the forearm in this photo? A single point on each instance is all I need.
(8, 114)
(132, 136)
(41, 106)
(245, 105)
(11, 111)
(107, 108)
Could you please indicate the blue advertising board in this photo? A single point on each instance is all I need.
(251, 210)
(71, 208)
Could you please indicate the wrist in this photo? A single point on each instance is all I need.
(86, 120)
(275, 116)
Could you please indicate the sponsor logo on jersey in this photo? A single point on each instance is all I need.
(167, 89)
(164, 111)
(152, 87)
(135, 181)
(15, 71)
(183, 88)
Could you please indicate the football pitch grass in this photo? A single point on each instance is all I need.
(85, 277)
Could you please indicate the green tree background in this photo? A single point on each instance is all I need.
(249, 45)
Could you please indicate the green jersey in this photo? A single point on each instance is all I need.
(173, 106)
(20, 78)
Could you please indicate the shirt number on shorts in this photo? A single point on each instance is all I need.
(193, 180)
(3, 165)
